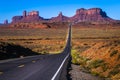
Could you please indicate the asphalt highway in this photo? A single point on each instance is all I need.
(40, 67)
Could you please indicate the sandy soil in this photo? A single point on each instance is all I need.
(77, 74)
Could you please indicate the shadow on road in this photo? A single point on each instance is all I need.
(8, 51)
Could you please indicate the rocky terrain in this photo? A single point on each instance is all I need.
(77, 74)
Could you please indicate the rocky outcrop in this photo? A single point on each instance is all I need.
(16, 19)
(6, 22)
(90, 15)
(32, 16)
(60, 18)
(82, 15)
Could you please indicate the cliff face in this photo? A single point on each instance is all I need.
(90, 15)
(27, 17)
(16, 19)
(81, 15)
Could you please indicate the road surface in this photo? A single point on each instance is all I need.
(41, 67)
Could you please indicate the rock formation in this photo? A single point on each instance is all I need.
(6, 22)
(27, 17)
(90, 15)
(82, 15)
(17, 19)
(60, 18)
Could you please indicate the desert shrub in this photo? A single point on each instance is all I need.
(83, 61)
(117, 41)
(85, 44)
(114, 72)
(96, 63)
(45, 52)
(28, 42)
(118, 57)
(113, 53)
(75, 57)
(117, 66)
(61, 47)
(104, 66)
(47, 38)
(95, 73)
(116, 77)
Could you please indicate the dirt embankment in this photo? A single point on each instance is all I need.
(101, 58)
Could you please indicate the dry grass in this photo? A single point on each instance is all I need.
(32, 33)
(39, 40)
(97, 50)
(94, 33)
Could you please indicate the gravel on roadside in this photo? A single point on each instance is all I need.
(77, 74)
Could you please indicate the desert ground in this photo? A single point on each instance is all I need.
(95, 48)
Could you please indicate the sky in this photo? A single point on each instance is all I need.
(51, 8)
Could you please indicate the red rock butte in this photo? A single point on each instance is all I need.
(81, 15)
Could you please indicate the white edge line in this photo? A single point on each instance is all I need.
(53, 78)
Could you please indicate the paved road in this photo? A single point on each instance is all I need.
(42, 67)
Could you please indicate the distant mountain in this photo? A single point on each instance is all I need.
(81, 15)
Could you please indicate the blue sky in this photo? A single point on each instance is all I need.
(51, 8)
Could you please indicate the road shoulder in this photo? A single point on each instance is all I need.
(77, 74)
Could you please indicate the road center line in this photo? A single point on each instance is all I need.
(33, 61)
(20, 66)
(1, 73)
(53, 78)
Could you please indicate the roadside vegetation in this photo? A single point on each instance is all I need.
(97, 51)
(42, 41)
